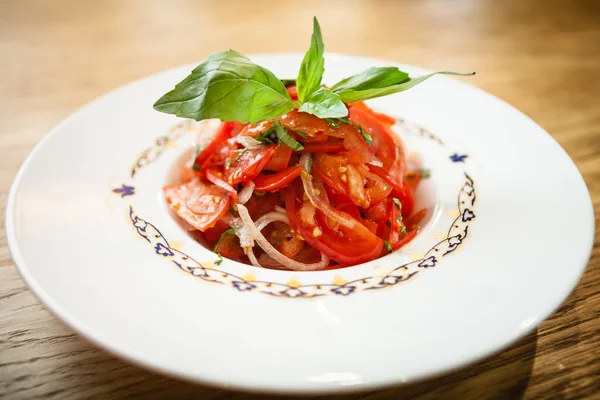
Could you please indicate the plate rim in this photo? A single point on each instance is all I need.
(81, 328)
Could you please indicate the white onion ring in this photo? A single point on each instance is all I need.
(246, 193)
(273, 252)
(309, 189)
(280, 209)
(252, 257)
(271, 217)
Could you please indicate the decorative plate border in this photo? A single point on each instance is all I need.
(455, 236)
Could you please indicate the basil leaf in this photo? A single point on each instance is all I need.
(324, 104)
(286, 139)
(373, 78)
(350, 95)
(312, 66)
(230, 87)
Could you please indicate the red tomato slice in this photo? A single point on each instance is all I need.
(249, 165)
(199, 204)
(187, 174)
(386, 119)
(355, 143)
(229, 247)
(218, 137)
(325, 147)
(403, 191)
(292, 91)
(312, 125)
(376, 188)
(256, 129)
(274, 182)
(213, 234)
(280, 158)
(330, 169)
(381, 211)
(260, 205)
(404, 240)
(215, 177)
(383, 145)
(347, 247)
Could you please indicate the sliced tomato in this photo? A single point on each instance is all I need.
(332, 146)
(213, 234)
(355, 143)
(345, 246)
(256, 129)
(349, 246)
(381, 211)
(249, 165)
(285, 240)
(376, 188)
(371, 225)
(292, 91)
(216, 177)
(273, 182)
(280, 158)
(187, 174)
(386, 119)
(215, 139)
(198, 203)
(331, 169)
(260, 205)
(383, 144)
(403, 191)
(404, 240)
(413, 178)
(229, 247)
(312, 125)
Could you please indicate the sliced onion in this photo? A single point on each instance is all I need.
(272, 251)
(309, 189)
(246, 193)
(248, 142)
(376, 162)
(271, 217)
(280, 209)
(252, 257)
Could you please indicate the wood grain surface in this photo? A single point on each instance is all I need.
(543, 57)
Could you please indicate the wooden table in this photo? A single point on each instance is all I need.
(542, 57)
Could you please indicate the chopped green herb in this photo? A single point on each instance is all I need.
(196, 168)
(364, 134)
(388, 246)
(229, 231)
(240, 154)
(219, 260)
(397, 202)
(233, 212)
(333, 123)
(286, 139)
(227, 163)
(425, 173)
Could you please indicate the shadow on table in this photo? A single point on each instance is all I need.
(504, 375)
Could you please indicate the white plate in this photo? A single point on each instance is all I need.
(508, 236)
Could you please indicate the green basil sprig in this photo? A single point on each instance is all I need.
(230, 87)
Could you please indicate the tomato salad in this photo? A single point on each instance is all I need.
(329, 200)
(292, 174)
